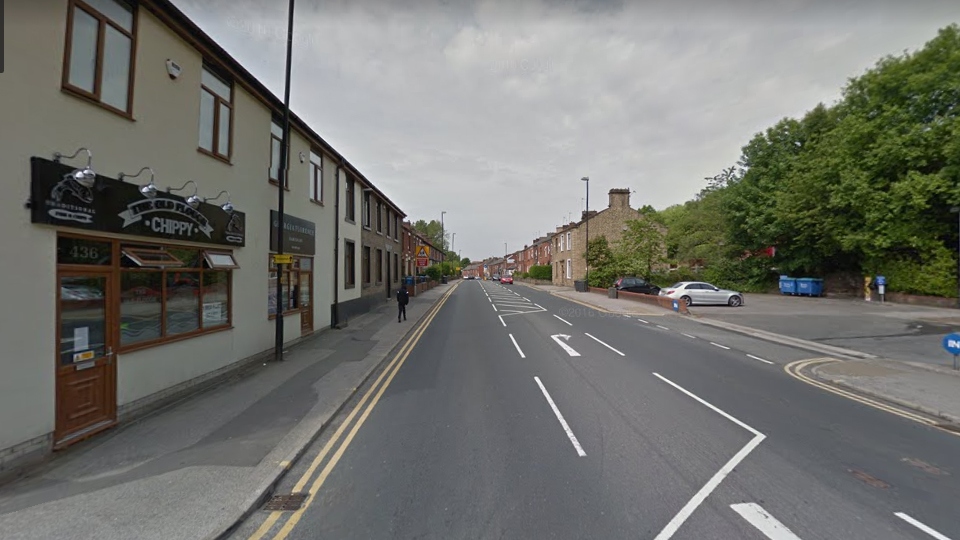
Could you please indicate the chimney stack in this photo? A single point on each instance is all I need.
(619, 198)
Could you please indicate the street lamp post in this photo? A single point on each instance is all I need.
(443, 237)
(956, 210)
(453, 242)
(284, 151)
(586, 220)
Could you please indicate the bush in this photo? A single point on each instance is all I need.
(749, 275)
(602, 277)
(544, 272)
(433, 272)
(935, 276)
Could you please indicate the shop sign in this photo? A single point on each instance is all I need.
(116, 206)
(299, 235)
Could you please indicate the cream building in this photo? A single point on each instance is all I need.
(124, 290)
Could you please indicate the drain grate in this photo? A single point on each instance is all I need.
(285, 503)
(870, 480)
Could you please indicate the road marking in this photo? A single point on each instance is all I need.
(764, 522)
(541, 307)
(664, 327)
(760, 359)
(921, 526)
(604, 344)
(793, 369)
(517, 346)
(719, 345)
(557, 316)
(688, 335)
(717, 478)
(490, 299)
(502, 321)
(392, 369)
(563, 423)
(569, 349)
(494, 307)
(643, 321)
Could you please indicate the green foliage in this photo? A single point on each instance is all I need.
(433, 272)
(543, 272)
(864, 185)
(432, 230)
(465, 262)
(641, 247)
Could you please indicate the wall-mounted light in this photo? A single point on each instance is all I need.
(192, 200)
(302, 157)
(85, 176)
(150, 190)
(227, 206)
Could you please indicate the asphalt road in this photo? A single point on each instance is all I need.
(518, 414)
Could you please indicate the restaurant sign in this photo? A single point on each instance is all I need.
(116, 206)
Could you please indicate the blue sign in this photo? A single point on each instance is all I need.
(676, 305)
(881, 280)
(951, 342)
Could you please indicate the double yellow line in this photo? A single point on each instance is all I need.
(794, 370)
(376, 391)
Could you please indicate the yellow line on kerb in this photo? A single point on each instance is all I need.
(392, 370)
(793, 369)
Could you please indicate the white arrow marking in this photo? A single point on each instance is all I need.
(764, 522)
(569, 349)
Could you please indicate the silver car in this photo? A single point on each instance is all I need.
(699, 292)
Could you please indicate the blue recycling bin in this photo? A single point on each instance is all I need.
(810, 286)
(788, 285)
(408, 281)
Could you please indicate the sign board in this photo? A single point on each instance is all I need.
(951, 342)
(423, 252)
(284, 258)
(117, 206)
(422, 263)
(881, 281)
(299, 235)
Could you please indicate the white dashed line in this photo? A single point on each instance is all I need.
(557, 316)
(719, 345)
(920, 526)
(664, 327)
(688, 335)
(494, 307)
(604, 344)
(643, 321)
(760, 359)
(563, 423)
(517, 346)
(504, 323)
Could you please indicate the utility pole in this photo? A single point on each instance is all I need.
(284, 151)
(443, 237)
(586, 220)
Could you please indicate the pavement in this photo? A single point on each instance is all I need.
(197, 467)
(502, 418)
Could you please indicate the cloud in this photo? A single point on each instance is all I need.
(493, 110)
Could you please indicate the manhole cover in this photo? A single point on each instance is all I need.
(285, 503)
(870, 480)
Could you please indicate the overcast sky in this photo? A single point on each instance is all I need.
(493, 111)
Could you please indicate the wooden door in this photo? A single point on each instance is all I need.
(306, 303)
(86, 384)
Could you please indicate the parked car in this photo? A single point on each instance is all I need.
(506, 280)
(636, 285)
(496, 277)
(699, 292)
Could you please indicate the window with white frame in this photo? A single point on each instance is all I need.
(276, 141)
(569, 268)
(569, 244)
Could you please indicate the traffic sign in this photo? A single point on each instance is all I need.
(951, 342)
(423, 252)
(284, 258)
(422, 263)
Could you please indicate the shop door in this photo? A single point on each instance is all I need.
(306, 303)
(86, 371)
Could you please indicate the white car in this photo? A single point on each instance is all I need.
(699, 292)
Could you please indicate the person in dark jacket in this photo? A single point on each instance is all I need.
(403, 298)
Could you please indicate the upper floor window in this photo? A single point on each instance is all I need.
(98, 62)
(276, 142)
(388, 222)
(351, 200)
(379, 217)
(396, 227)
(366, 209)
(216, 114)
(316, 177)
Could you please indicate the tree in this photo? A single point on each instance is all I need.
(641, 247)
(465, 262)
(433, 231)
(604, 265)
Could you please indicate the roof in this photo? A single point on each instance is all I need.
(177, 21)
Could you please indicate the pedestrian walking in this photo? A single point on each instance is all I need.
(403, 298)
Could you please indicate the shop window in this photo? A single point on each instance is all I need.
(295, 280)
(83, 251)
(216, 299)
(220, 260)
(151, 258)
(182, 300)
(141, 307)
(99, 54)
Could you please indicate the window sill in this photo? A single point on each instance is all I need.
(285, 314)
(316, 202)
(277, 183)
(350, 221)
(217, 157)
(350, 286)
(164, 341)
(83, 96)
